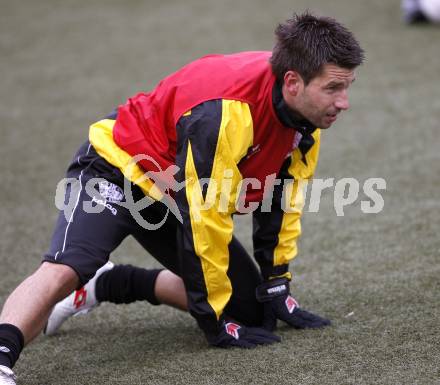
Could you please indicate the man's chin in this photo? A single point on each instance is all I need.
(327, 123)
(324, 125)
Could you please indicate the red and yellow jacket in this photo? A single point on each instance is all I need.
(217, 120)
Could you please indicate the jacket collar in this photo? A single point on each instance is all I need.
(288, 117)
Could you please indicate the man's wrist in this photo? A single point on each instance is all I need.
(271, 289)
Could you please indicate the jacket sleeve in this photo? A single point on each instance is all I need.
(212, 138)
(275, 231)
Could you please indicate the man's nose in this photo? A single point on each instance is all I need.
(342, 102)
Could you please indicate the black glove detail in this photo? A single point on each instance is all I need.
(234, 334)
(280, 305)
(271, 289)
(286, 309)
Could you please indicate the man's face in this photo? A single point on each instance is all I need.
(323, 98)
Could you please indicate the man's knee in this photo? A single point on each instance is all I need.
(59, 276)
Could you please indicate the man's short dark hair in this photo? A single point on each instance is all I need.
(305, 43)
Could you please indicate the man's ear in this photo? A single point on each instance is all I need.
(293, 82)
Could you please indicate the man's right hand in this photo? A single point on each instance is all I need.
(233, 334)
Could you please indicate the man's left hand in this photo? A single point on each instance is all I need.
(280, 305)
(285, 308)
